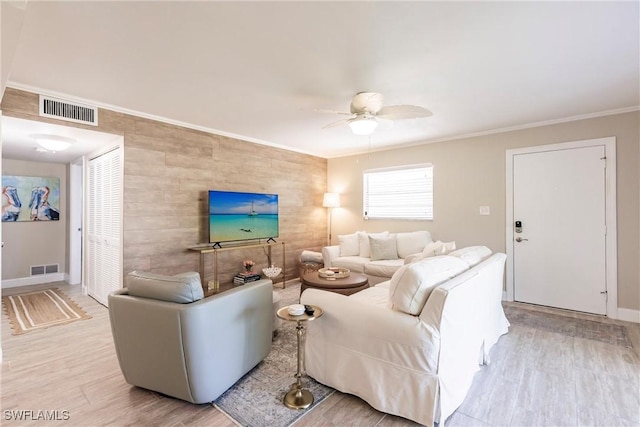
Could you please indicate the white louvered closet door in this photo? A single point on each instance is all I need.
(104, 225)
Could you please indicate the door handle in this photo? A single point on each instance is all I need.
(520, 239)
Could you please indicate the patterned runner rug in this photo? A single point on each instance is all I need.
(256, 400)
(40, 309)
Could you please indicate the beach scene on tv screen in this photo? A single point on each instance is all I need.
(242, 216)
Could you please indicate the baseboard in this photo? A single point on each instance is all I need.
(626, 314)
(629, 315)
(33, 280)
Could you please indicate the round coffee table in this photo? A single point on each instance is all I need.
(346, 286)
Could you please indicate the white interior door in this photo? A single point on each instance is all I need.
(75, 221)
(104, 225)
(559, 255)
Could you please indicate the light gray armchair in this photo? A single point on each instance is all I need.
(171, 340)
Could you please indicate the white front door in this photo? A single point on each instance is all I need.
(559, 248)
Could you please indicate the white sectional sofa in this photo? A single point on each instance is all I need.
(379, 255)
(411, 346)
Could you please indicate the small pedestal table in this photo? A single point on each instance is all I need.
(299, 397)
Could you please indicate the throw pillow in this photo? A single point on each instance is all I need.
(414, 258)
(432, 249)
(438, 248)
(412, 242)
(181, 288)
(363, 239)
(413, 283)
(472, 255)
(448, 247)
(349, 245)
(383, 247)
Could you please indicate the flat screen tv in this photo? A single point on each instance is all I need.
(235, 216)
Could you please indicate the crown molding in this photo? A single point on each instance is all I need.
(500, 130)
(117, 109)
(540, 124)
(161, 119)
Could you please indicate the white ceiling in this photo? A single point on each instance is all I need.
(19, 141)
(259, 70)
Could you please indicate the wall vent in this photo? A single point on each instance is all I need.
(70, 111)
(38, 270)
(50, 269)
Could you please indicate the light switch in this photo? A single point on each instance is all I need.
(484, 210)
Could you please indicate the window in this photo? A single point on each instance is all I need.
(398, 193)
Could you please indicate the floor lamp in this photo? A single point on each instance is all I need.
(331, 200)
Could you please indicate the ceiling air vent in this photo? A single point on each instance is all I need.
(70, 111)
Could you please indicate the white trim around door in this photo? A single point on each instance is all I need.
(611, 262)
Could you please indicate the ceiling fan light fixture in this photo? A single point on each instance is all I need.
(363, 126)
(53, 142)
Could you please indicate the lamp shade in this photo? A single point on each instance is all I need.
(363, 125)
(331, 200)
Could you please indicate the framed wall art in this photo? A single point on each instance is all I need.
(30, 198)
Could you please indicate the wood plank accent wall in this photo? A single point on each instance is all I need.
(168, 172)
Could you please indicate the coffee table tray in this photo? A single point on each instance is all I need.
(334, 273)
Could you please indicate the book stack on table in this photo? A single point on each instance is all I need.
(242, 278)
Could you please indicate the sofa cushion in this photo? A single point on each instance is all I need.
(349, 245)
(430, 250)
(414, 257)
(378, 297)
(365, 245)
(472, 255)
(412, 284)
(181, 288)
(439, 248)
(412, 242)
(353, 263)
(383, 268)
(383, 247)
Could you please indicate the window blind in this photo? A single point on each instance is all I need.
(398, 193)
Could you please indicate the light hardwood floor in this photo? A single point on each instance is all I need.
(536, 378)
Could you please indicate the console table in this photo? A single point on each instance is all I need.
(203, 250)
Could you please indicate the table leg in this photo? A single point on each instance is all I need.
(204, 286)
(297, 397)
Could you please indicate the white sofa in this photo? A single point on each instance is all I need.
(355, 252)
(418, 366)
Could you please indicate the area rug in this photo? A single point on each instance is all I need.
(569, 326)
(40, 309)
(256, 400)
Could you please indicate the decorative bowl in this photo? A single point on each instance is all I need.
(272, 271)
(296, 309)
(334, 273)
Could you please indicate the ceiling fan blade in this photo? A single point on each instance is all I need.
(338, 123)
(398, 112)
(320, 110)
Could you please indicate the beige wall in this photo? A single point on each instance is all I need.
(168, 171)
(469, 173)
(40, 242)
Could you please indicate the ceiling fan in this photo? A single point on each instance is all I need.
(368, 112)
